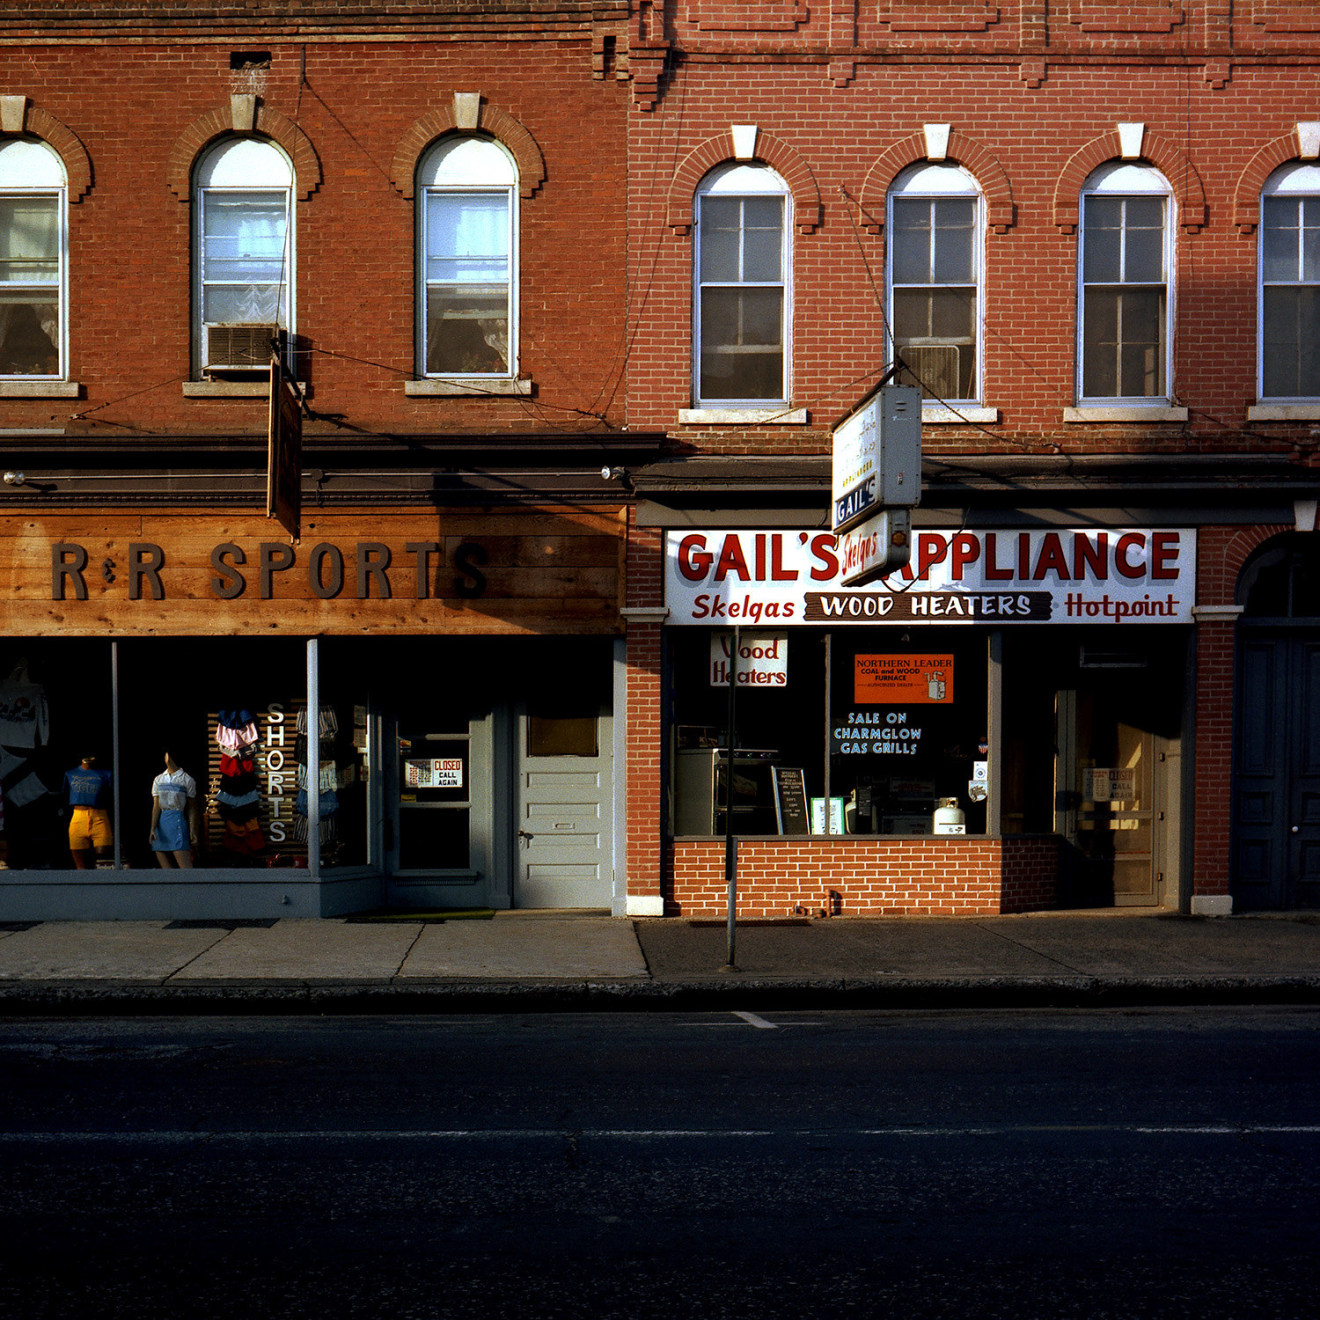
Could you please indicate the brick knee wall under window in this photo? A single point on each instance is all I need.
(866, 877)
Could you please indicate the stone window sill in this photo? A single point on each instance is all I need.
(39, 389)
(230, 389)
(784, 416)
(946, 414)
(474, 387)
(1125, 413)
(1284, 412)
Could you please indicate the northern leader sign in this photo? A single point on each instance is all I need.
(1056, 575)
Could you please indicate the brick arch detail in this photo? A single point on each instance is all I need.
(770, 151)
(493, 121)
(1000, 211)
(62, 140)
(1161, 152)
(1246, 196)
(218, 123)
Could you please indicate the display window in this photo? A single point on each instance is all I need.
(176, 753)
(878, 731)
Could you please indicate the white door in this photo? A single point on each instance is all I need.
(564, 810)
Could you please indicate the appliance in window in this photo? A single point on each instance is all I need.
(239, 347)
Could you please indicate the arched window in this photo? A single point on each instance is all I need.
(1288, 340)
(934, 279)
(33, 261)
(242, 254)
(1124, 340)
(467, 227)
(741, 299)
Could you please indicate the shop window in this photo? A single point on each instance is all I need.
(934, 275)
(742, 289)
(467, 259)
(243, 255)
(1289, 305)
(887, 728)
(232, 719)
(33, 261)
(1124, 339)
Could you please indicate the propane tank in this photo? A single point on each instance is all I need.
(950, 817)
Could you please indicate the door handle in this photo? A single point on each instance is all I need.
(525, 836)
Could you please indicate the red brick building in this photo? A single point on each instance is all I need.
(574, 298)
(408, 698)
(1083, 229)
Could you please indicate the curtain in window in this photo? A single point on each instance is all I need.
(467, 283)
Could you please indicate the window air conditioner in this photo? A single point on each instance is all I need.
(239, 347)
(935, 367)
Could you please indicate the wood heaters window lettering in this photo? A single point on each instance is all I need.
(467, 260)
(243, 255)
(1124, 331)
(742, 287)
(934, 277)
(1289, 338)
(32, 261)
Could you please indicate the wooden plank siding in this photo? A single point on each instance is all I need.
(542, 571)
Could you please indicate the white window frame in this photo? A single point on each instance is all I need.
(741, 181)
(937, 182)
(31, 169)
(1127, 179)
(1299, 180)
(474, 166)
(235, 166)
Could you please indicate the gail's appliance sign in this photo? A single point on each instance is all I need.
(1115, 575)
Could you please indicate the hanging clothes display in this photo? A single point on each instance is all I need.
(24, 713)
(238, 797)
(326, 777)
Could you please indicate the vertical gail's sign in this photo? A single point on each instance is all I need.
(762, 659)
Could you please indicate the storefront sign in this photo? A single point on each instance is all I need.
(185, 573)
(434, 773)
(1115, 575)
(875, 733)
(903, 680)
(762, 659)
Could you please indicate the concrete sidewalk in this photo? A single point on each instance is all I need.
(560, 960)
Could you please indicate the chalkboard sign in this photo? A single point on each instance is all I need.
(790, 801)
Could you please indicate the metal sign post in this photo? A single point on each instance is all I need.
(730, 839)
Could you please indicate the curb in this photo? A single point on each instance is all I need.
(101, 998)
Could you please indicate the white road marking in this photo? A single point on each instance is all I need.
(754, 1020)
(212, 1135)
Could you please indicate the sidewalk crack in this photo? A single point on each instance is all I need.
(1008, 939)
(407, 953)
(178, 971)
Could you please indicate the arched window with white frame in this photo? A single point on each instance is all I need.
(33, 261)
(242, 255)
(1124, 339)
(936, 247)
(1288, 340)
(467, 227)
(742, 297)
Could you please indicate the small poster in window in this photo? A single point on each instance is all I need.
(1111, 784)
(902, 680)
(434, 773)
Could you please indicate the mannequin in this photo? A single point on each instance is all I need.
(174, 816)
(86, 789)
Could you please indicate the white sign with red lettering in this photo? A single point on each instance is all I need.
(1056, 575)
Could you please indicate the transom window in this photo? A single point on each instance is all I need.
(467, 226)
(33, 292)
(741, 310)
(935, 247)
(243, 254)
(1124, 339)
(1289, 333)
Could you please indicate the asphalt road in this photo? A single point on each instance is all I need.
(1104, 1164)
